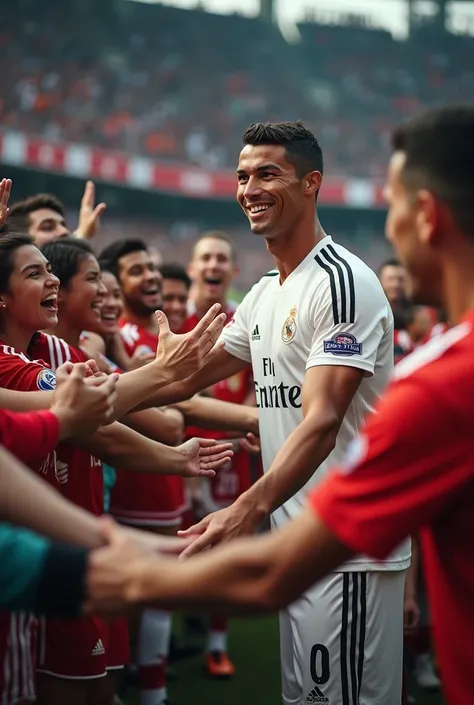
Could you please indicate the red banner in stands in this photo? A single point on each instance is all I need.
(83, 161)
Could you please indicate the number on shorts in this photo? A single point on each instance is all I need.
(323, 676)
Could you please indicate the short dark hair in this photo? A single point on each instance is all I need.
(301, 146)
(439, 156)
(217, 235)
(65, 256)
(177, 272)
(391, 262)
(10, 242)
(19, 213)
(112, 254)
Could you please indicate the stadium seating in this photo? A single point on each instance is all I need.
(182, 85)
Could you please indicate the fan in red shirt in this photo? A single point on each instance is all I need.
(144, 500)
(29, 301)
(212, 269)
(75, 651)
(412, 469)
(150, 502)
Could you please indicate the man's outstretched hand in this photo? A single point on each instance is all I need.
(184, 354)
(223, 525)
(203, 456)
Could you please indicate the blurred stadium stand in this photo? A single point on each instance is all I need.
(155, 99)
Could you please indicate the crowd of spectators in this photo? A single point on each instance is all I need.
(182, 85)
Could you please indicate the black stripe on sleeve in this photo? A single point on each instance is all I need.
(332, 283)
(353, 647)
(363, 621)
(342, 284)
(343, 646)
(350, 276)
(271, 274)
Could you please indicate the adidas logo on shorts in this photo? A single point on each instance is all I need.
(98, 649)
(316, 696)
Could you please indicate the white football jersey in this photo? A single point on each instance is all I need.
(331, 310)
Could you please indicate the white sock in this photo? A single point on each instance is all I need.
(152, 654)
(153, 697)
(217, 641)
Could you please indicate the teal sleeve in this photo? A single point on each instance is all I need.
(109, 482)
(22, 556)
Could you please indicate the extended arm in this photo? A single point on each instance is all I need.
(215, 414)
(119, 446)
(224, 365)
(327, 392)
(27, 500)
(164, 426)
(250, 575)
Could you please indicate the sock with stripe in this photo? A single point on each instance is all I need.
(152, 655)
(217, 639)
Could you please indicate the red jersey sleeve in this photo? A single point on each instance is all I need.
(40, 428)
(19, 373)
(409, 463)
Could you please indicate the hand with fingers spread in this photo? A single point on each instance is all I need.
(223, 525)
(81, 407)
(5, 189)
(204, 456)
(89, 215)
(182, 355)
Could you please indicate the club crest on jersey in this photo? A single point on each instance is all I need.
(343, 344)
(288, 331)
(46, 380)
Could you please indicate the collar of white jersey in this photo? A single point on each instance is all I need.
(309, 257)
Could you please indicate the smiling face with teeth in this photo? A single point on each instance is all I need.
(112, 306)
(269, 191)
(80, 301)
(279, 175)
(29, 302)
(140, 282)
(212, 269)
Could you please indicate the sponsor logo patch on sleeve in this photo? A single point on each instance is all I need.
(343, 344)
(46, 381)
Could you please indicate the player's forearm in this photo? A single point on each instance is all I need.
(295, 463)
(121, 447)
(28, 501)
(219, 415)
(25, 401)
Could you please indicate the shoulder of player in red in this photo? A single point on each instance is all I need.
(79, 473)
(136, 337)
(55, 350)
(24, 372)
